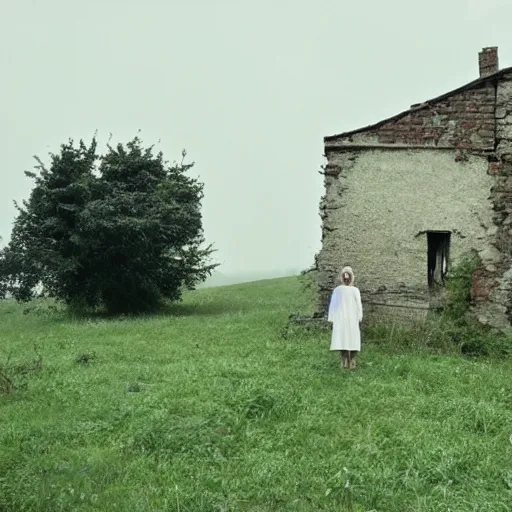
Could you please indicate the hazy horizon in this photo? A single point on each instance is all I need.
(248, 89)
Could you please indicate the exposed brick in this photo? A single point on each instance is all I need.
(494, 168)
(465, 120)
(488, 61)
(482, 285)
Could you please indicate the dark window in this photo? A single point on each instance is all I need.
(438, 247)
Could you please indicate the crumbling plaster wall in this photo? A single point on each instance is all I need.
(379, 206)
(378, 200)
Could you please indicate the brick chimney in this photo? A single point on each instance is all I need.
(488, 61)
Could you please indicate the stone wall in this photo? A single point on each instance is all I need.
(492, 285)
(445, 165)
(378, 208)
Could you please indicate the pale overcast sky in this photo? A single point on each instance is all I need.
(249, 89)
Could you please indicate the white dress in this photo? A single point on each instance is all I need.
(345, 313)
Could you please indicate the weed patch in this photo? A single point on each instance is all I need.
(85, 358)
(172, 436)
(14, 376)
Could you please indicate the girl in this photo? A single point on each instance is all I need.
(346, 313)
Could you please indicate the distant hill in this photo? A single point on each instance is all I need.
(222, 279)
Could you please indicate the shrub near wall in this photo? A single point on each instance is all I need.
(452, 329)
(456, 326)
(456, 322)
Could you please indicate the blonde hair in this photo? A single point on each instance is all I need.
(350, 272)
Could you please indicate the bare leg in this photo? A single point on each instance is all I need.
(344, 359)
(353, 354)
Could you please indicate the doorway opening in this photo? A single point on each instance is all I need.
(438, 250)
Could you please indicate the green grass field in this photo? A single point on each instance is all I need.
(209, 409)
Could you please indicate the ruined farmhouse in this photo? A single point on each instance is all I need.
(406, 198)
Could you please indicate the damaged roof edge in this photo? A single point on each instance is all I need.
(425, 104)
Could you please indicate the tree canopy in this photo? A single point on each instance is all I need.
(121, 230)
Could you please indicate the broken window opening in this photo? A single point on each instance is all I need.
(438, 247)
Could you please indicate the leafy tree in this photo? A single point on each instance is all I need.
(122, 230)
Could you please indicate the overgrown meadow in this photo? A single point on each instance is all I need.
(213, 406)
